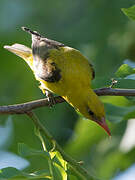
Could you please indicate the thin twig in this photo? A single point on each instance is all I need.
(36, 122)
(75, 165)
(114, 92)
(25, 107)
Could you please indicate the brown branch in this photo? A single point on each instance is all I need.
(25, 107)
(114, 92)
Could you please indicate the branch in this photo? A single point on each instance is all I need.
(25, 107)
(114, 92)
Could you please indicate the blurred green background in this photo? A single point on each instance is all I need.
(106, 36)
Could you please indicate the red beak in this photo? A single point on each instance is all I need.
(103, 124)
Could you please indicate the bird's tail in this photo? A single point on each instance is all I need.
(23, 52)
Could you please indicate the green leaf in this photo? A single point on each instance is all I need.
(24, 151)
(116, 114)
(59, 172)
(130, 12)
(115, 160)
(87, 133)
(57, 158)
(38, 174)
(59, 165)
(10, 172)
(117, 100)
(124, 71)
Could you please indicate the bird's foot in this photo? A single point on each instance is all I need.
(50, 98)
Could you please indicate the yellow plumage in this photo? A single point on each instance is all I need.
(74, 86)
(72, 75)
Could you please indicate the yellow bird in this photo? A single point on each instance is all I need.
(64, 71)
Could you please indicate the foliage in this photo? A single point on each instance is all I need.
(130, 12)
(109, 41)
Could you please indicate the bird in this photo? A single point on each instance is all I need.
(64, 71)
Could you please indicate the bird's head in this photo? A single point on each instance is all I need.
(96, 112)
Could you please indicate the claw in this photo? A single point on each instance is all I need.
(50, 98)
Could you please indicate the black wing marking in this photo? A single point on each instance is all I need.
(93, 71)
(49, 72)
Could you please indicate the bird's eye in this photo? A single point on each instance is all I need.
(90, 112)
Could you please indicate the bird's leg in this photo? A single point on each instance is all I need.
(50, 98)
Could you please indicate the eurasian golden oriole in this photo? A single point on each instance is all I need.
(64, 71)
